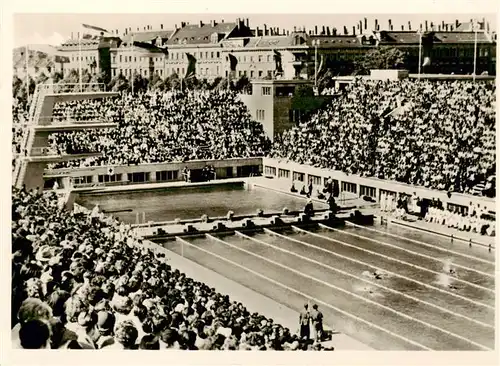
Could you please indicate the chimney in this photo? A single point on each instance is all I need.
(439, 27)
(426, 26)
(277, 31)
(328, 31)
(222, 20)
(71, 35)
(409, 26)
(183, 24)
(323, 31)
(271, 31)
(456, 23)
(366, 24)
(390, 25)
(376, 24)
(117, 32)
(334, 31)
(345, 30)
(316, 30)
(161, 26)
(201, 24)
(265, 29)
(238, 23)
(353, 30)
(442, 25)
(287, 33)
(126, 31)
(130, 29)
(294, 28)
(360, 27)
(257, 32)
(402, 27)
(451, 27)
(144, 28)
(488, 27)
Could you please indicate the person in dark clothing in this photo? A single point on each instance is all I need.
(332, 204)
(310, 188)
(309, 208)
(293, 189)
(304, 317)
(336, 189)
(303, 190)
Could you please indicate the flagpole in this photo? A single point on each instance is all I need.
(80, 60)
(27, 76)
(475, 52)
(419, 53)
(131, 58)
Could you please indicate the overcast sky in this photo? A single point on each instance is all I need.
(54, 26)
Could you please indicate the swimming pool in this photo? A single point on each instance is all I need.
(411, 308)
(189, 202)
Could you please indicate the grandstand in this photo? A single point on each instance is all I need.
(415, 152)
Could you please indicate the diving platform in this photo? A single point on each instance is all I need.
(35, 150)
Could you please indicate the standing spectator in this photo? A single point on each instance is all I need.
(304, 320)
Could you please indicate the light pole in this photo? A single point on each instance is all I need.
(315, 44)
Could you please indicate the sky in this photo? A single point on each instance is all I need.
(55, 28)
(52, 21)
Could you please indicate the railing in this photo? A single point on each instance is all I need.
(73, 88)
(51, 120)
(43, 151)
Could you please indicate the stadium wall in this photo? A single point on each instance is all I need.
(148, 173)
(364, 186)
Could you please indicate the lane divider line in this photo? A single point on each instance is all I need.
(386, 271)
(409, 251)
(352, 316)
(424, 244)
(327, 284)
(364, 280)
(441, 235)
(391, 258)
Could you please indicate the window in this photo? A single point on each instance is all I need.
(120, 58)
(182, 71)
(137, 177)
(161, 72)
(167, 175)
(182, 56)
(207, 72)
(135, 59)
(105, 178)
(260, 115)
(260, 73)
(212, 55)
(206, 54)
(268, 58)
(260, 58)
(315, 180)
(251, 58)
(367, 191)
(283, 173)
(82, 180)
(251, 74)
(266, 90)
(270, 170)
(298, 176)
(349, 187)
(227, 73)
(240, 73)
(245, 72)
(218, 54)
(114, 72)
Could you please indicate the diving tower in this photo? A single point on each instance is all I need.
(36, 153)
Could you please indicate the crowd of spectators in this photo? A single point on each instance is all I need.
(85, 281)
(163, 127)
(436, 134)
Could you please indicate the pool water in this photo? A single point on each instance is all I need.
(168, 204)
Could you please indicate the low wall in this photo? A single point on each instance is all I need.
(364, 186)
(148, 173)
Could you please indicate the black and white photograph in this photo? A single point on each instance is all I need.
(252, 181)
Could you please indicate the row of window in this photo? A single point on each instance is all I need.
(86, 58)
(166, 175)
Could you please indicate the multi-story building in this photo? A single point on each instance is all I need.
(233, 49)
(92, 54)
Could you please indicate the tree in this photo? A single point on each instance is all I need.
(17, 86)
(380, 58)
(56, 76)
(140, 83)
(243, 84)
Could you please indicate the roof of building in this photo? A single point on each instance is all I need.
(147, 36)
(461, 37)
(270, 42)
(337, 41)
(194, 34)
(412, 37)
